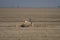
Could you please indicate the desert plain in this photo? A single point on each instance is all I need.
(46, 24)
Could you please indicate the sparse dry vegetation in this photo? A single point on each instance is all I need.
(46, 24)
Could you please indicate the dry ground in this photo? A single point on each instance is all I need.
(46, 24)
(30, 33)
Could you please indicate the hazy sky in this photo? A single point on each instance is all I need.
(29, 3)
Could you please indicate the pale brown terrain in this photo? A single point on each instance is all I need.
(46, 24)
